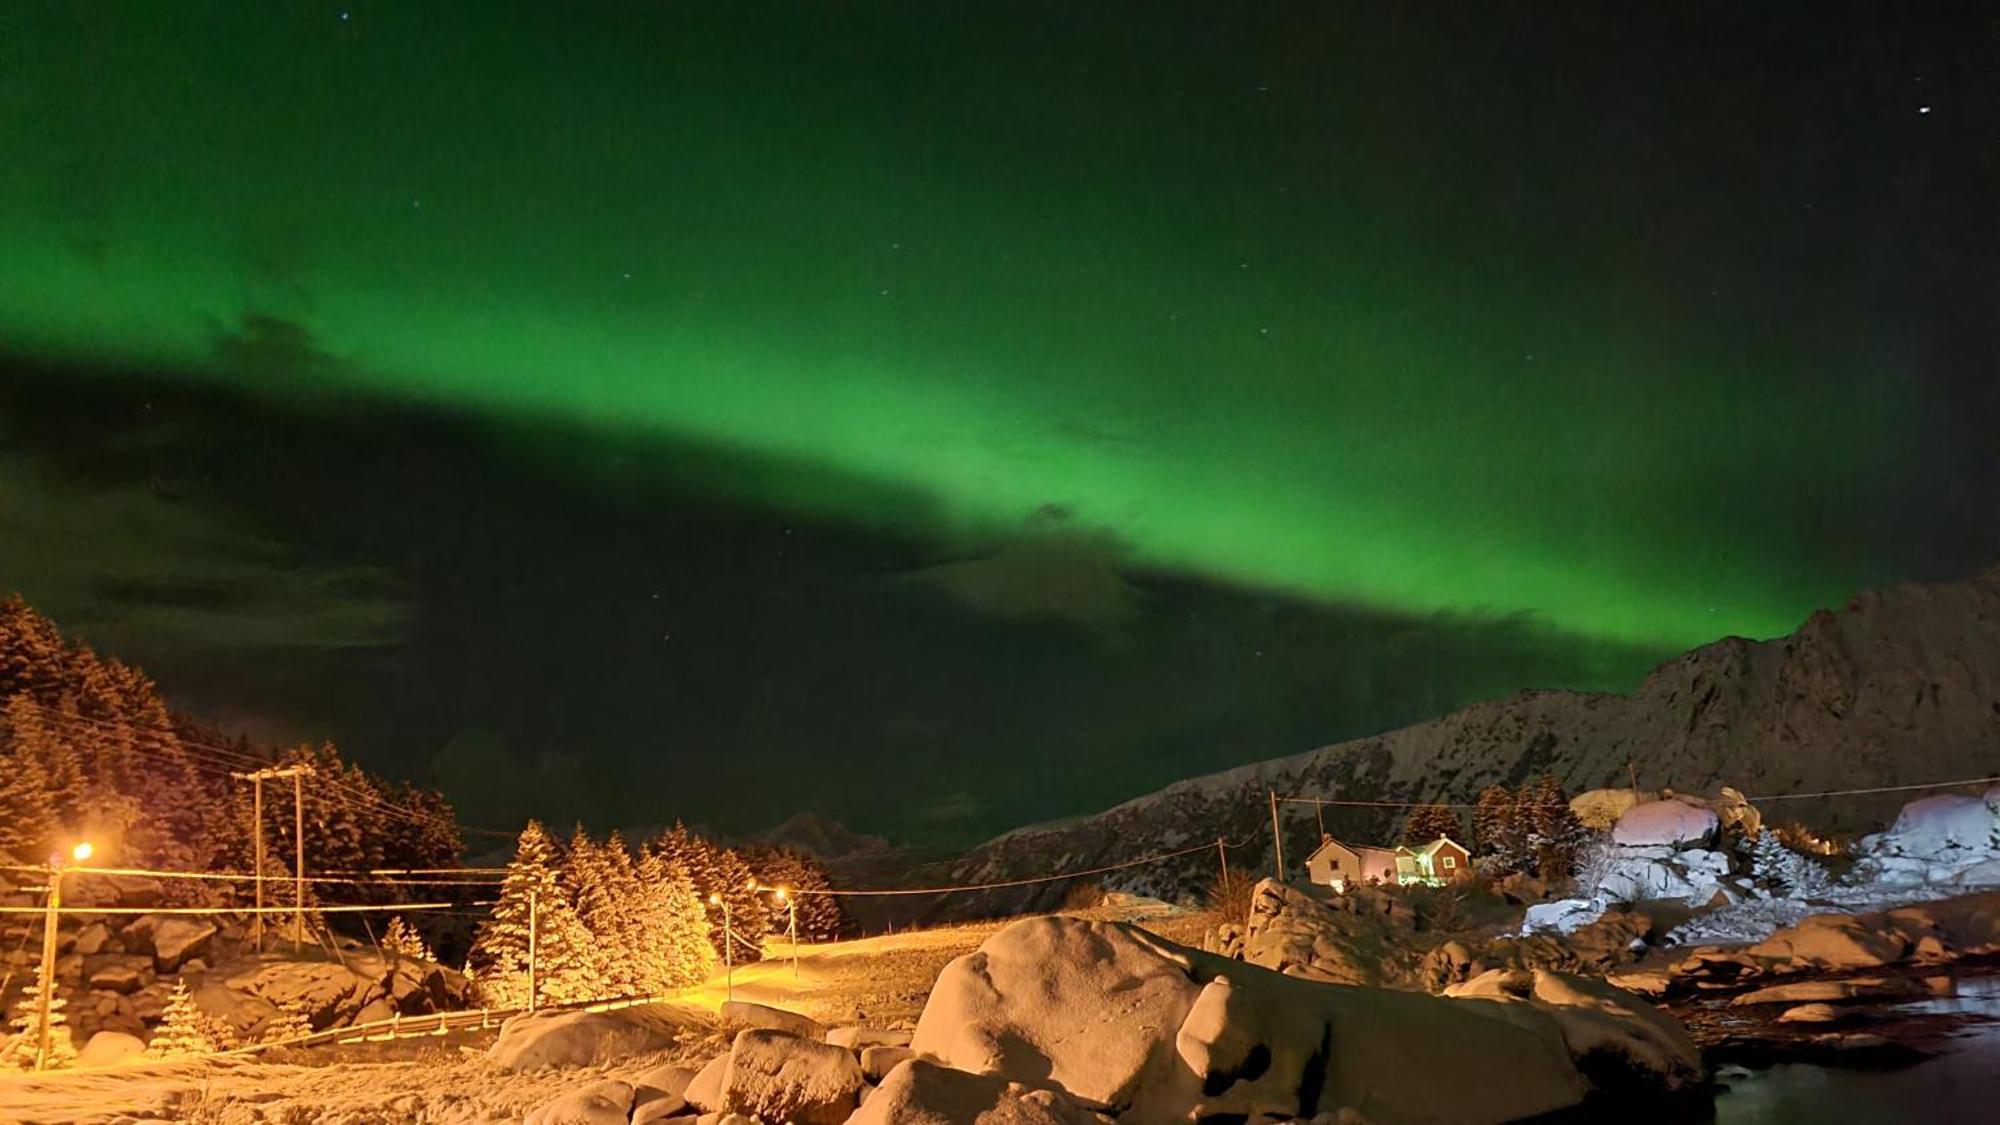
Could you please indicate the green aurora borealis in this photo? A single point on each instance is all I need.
(1300, 309)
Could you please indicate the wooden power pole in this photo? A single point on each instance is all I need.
(1277, 837)
(256, 778)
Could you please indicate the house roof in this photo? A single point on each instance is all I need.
(1357, 849)
(1431, 848)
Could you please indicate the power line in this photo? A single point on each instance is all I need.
(247, 910)
(1356, 803)
(1015, 882)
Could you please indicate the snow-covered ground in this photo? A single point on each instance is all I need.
(882, 981)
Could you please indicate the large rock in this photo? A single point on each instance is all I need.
(1832, 941)
(1125, 1023)
(93, 938)
(545, 1039)
(919, 1092)
(176, 939)
(1660, 872)
(124, 975)
(780, 1077)
(109, 1048)
(1619, 1041)
(1347, 940)
(743, 1013)
(704, 1090)
(606, 1102)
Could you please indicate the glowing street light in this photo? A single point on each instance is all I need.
(47, 978)
(728, 947)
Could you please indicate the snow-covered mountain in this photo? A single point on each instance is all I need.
(1900, 686)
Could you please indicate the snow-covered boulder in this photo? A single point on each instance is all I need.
(606, 1102)
(920, 1092)
(704, 1090)
(540, 1039)
(1125, 1023)
(1563, 916)
(1649, 873)
(877, 1062)
(1604, 1027)
(855, 1038)
(1671, 822)
(1951, 839)
(109, 1048)
(177, 939)
(780, 1077)
(1833, 941)
(744, 1013)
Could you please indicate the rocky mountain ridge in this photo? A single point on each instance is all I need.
(1901, 686)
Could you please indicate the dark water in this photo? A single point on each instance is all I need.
(1956, 1088)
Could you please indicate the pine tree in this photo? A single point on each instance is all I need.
(1493, 821)
(720, 873)
(1427, 823)
(288, 1024)
(27, 805)
(183, 1029)
(1556, 836)
(400, 939)
(1785, 872)
(820, 915)
(670, 928)
(565, 963)
(21, 1051)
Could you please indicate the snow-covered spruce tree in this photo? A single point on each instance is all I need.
(27, 1026)
(565, 966)
(1556, 836)
(720, 872)
(401, 939)
(820, 915)
(1784, 872)
(670, 928)
(606, 885)
(27, 804)
(1427, 822)
(289, 1023)
(183, 1031)
(1500, 832)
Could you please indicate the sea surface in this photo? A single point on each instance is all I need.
(1959, 1087)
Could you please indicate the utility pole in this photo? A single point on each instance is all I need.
(533, 925)
(47, 978)
(1222, 855)
(48, 972)
(256, 779)
(1277, 837)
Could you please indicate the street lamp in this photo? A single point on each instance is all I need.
(790, 902)
(728, 947)
(79, 853)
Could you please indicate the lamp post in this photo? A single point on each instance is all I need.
(728, 948)
(791, 903)
(79, 853)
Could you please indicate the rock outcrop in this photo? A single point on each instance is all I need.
(1123, 1023)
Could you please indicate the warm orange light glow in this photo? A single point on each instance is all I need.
(780, 892)
(82, 851)
(715, 900)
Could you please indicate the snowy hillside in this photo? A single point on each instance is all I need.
(1900, 686)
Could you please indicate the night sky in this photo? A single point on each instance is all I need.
(942, 416)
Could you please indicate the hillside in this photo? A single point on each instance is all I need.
(1900, 686)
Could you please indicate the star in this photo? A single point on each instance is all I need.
(1923, 109)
